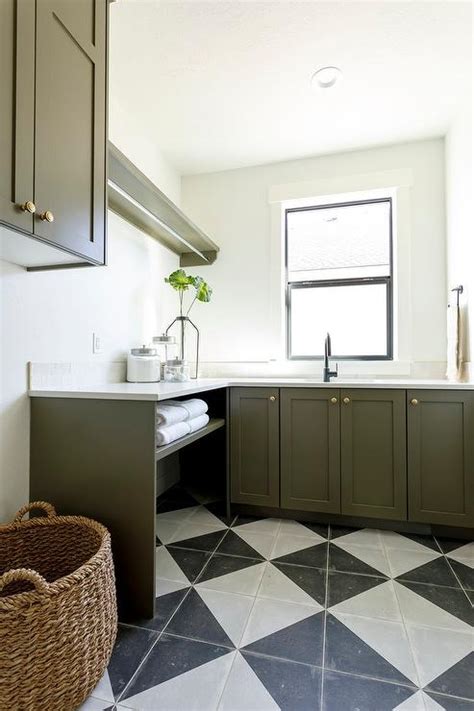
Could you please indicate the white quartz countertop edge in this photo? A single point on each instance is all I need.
(165, 391)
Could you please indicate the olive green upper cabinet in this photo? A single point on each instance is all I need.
(310, 468)
(441, 456)
(70, 128)
(254, 446)
(17, 76)
(373, 453)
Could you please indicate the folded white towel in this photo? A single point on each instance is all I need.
(170, 414)
(194, 406)
(198, 423)
(166, 435)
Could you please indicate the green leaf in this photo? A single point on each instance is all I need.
(203, 291)
(179, 280)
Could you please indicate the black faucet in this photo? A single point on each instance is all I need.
(327, 372)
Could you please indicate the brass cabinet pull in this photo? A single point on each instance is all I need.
(28, 206)
(414, 402)
(272, 398)
(47, 216)
(334, 400)
(346, 400)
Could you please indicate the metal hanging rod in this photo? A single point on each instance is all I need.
(459, 290)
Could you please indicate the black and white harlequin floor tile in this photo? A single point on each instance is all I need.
(277, 614)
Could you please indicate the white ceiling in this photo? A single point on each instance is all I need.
(227, 84)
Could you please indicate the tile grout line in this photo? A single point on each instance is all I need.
(326, 601)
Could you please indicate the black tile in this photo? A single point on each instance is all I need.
(219, 509)
(240, 520)
(427, 541)
(322, 529)
(233, 544)
(301, 642)
(456, 681)
(448, 545)
(343, 692)
(464, 573)
(338, 531)
(294, 687)
(131, 646)
(170, 657)
(341, 560)
(194, 620)
(313, 557)
(208, 542)
(224, 564)
(436, 572)
(346, 652)
(190, 562)
(311, 580)
(165, 607)
(449, 703)
(470, 594)
(452, 600)
(342, 586)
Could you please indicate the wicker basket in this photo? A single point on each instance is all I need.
(58, 613)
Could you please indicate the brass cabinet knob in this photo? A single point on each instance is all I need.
(346, 400)
(47, 216)
(272, 398)
(28, 206)
(414, 402)
(334, 400)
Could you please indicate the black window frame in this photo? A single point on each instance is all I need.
(362, 281)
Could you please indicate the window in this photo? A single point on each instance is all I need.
(339, 280)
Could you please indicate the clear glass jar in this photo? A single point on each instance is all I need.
(176, 371)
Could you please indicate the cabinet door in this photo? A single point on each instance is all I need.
(310, 468)
(441, 456)
(373, 453)
(254, 446)
(17, 67)
(70, 128)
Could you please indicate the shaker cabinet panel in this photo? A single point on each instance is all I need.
(310, 472)
(373, 453)
(254, 446)
(441, 456)
(70, 127)
(17, 76)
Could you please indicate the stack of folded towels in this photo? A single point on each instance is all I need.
(176, 418)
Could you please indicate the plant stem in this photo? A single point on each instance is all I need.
(181, 303)
(191, 306)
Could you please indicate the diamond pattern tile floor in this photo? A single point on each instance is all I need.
(270, 614)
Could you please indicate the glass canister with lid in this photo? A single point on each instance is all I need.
(143, 365)
(176, 371)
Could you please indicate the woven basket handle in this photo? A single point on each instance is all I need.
(24, 574)
(42, 505)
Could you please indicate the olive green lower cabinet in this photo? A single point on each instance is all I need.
(373, 453)
(254, 446)
(310, 456)
(441, 456)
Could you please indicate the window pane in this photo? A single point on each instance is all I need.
(339, 242)
(354, 315)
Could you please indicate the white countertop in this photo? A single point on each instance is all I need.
(165, 391)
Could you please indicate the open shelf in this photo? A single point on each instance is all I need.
(166, 449)
(135, 198)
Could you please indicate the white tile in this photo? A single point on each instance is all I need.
(417, 610)
(293, 528)
(103, 690)
(286, 543)
(368, 537)
(178, 515)
(375, 557)
(244, 691)
(269, 616)
(243, 582)
(276, 585)
(402, 561)
(163, 586)
(166, 530)
(196, 690)
(379, 602)
(192, 530)
(419, 702)
(436, 650)
(465, 555)
(167, 567)
(204, 516)
(392, 539)
(93, 704)
(230, 610)
(261, 542)
(388, 638)
(269, 526)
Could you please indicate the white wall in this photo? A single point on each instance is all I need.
(459, 218)
(233, 206)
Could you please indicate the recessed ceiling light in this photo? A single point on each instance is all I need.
(326, 77)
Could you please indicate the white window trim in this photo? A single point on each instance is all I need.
(395, 184)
